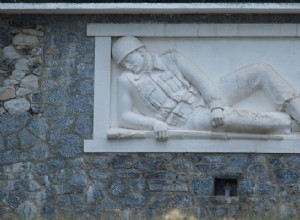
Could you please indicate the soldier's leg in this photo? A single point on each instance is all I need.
(242, 121)
(244, 81)
(255, 122)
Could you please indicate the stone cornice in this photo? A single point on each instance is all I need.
(148, 8)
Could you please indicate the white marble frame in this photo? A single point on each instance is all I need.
(103, 34)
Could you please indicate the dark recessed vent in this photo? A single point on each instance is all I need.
(225, 187)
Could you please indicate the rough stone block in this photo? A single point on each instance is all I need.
(161, 185)
(36, 97)
(30, 82)
(202, 186)
(22, 64)
(287, 175)
(258, 172)
(18, 167)
(159, 200)
(70, 146)
(17, 106)
(218, 211)
(78, 180)
(9, 124)
(18, 74)
(25, 40)
(128, 175)
(83, 126)
(134, 200)
(79, 104)
(36, 108)
(39, 127)
(266, 189)
(23, 92)
(7, 92)
(122, 163)
(11, 53)
(4, 38)
(5, 64)
(117, 188)
(33, 32)
(40, 152)
(95, 174)
(182, 201)
(10, 82)
(246, 187)
(2, 111)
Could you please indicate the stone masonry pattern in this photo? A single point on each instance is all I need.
(47, 71)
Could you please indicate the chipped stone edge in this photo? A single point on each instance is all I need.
(145, 8)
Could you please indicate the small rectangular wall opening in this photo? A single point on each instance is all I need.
(225, 187)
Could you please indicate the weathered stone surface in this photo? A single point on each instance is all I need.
(10, 157)
(79, 104)
(83, 126)
(19, 167)
(2, 111)
(202, 186)
(30, 82)
(22, 64)
(287, 175)
(5, 65)
(134, 200)
(78, 180)
(266, 189)
(246, 187)
(4, 38)
(17, 106)
(11, 53)
(258, 172)
(9, 124)
(218, 211)
(7, 92)
(1, 143)
(18, 74)
(23, 92)
(70, 146)
(10, 82)
(122, 163)
(33, 32)
(25, 40)
(40, 152)
(39, 127)
(162, 185)
(12, 141)
(117, 188)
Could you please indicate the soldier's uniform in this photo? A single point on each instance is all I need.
(167, 95)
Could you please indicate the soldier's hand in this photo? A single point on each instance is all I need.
(217, 117)
(160, 128)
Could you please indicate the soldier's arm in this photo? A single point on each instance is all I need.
(129, 119)
(206, 87)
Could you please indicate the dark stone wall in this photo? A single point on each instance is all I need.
(45, 174)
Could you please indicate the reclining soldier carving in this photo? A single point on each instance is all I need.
(171, 92)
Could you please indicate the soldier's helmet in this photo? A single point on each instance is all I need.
(124, 46)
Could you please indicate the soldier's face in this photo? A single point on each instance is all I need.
(134, 62)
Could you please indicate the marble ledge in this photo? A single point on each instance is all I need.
(149, 8)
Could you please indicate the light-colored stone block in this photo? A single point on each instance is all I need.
(10, 53)
(22, 64)
(25, 40)
(17, 106)
(7, 93)
(22, 92)
(30, 82)
(10, 82)
(18, 74)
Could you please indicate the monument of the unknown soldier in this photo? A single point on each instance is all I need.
(149, 111)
